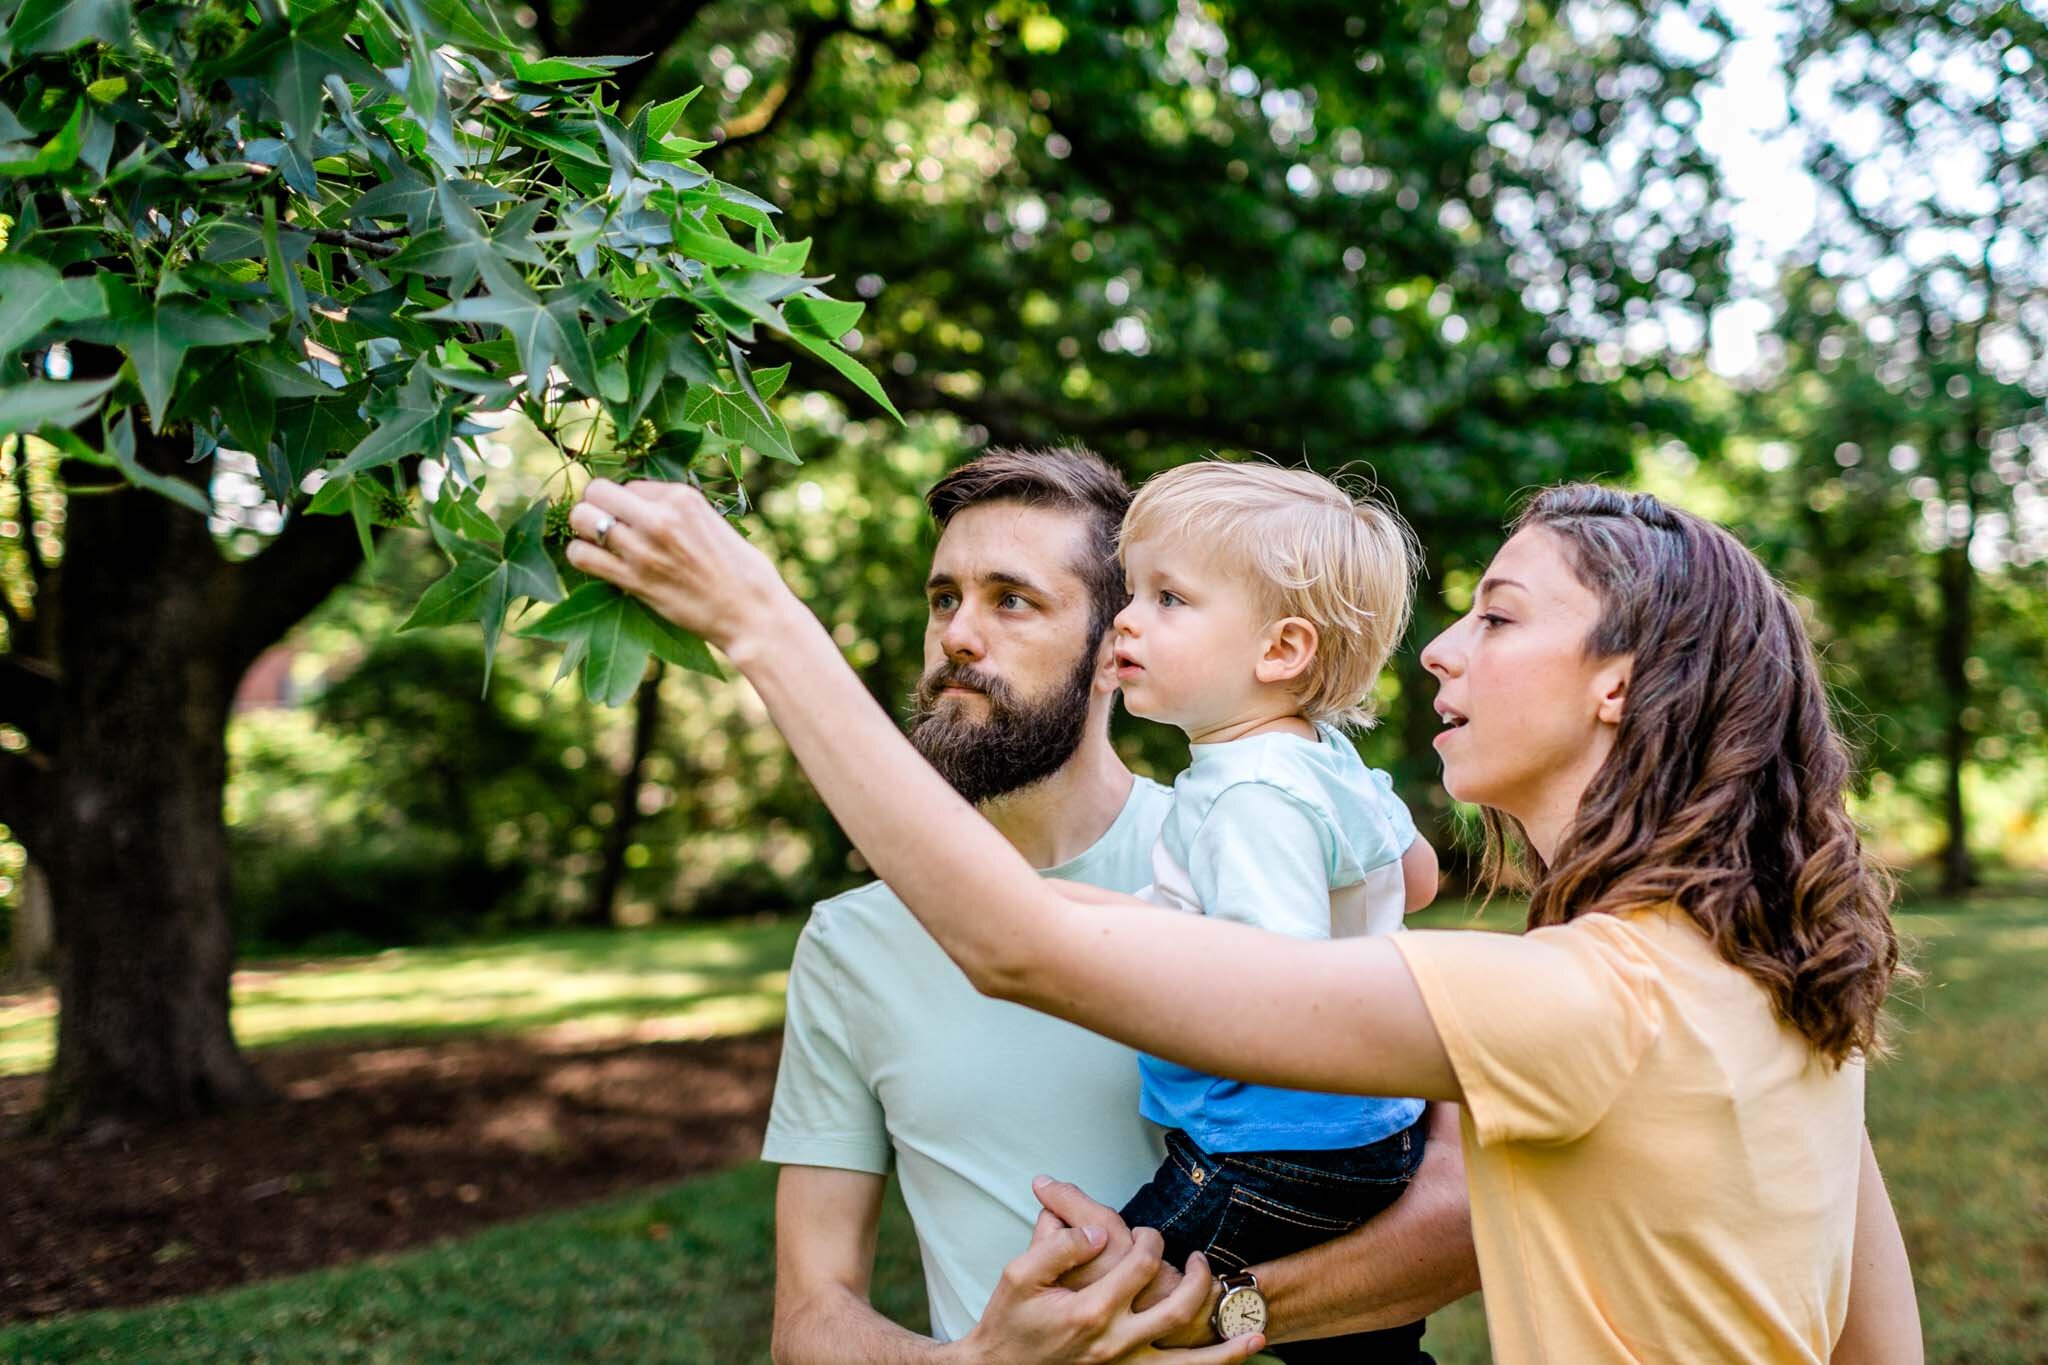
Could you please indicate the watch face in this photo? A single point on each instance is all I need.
(1241, 1313)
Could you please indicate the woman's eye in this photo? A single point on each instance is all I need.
(1491, 619)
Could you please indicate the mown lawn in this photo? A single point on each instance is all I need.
(685, 1273)
(697, 981)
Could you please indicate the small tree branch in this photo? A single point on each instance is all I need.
(784, 96)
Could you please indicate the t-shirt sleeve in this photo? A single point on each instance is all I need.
(1394, 808)
(1544, 1029)
(825, 1113)
(1261, 858)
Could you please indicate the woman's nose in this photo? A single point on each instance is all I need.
(1440, 656)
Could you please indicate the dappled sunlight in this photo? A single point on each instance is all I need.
(646, 985)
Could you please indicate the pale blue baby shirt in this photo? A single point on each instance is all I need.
(1298, 837)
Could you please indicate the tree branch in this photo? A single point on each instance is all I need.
(273, 591)
(789, 91)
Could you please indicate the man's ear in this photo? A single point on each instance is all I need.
(1290, 649)
(1105, 663)
(1611, 684)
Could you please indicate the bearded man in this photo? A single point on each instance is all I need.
(892, 1060)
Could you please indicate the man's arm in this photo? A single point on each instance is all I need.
(825, 1222)
(1410, 1260)
(1404, 1264)
(1883, 1322)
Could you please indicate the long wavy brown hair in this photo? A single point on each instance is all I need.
(1725, 790)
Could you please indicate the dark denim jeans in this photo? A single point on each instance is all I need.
(1242, 1208)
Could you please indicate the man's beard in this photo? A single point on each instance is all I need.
(1016, 744)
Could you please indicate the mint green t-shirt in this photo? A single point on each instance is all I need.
(892, 1060)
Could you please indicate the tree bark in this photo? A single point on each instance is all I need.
(611, 873)
(155, 632)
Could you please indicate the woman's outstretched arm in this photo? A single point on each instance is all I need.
(1225, 998)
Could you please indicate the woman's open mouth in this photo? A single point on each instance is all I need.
(1452, 720)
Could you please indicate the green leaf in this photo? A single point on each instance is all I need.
(549, 70)
(662, 117)
(473, 590)
(286, 65)
(45, 402)
(464, 249)
(121, 445)
(308, 434)
(60, 153)
(741, 421)
(467, 25)
(60, 25)
(359, 497)
(462, 514)
(545, 329)
(419, 421)
(33, 295)
(617, 633)
(833, 317)
(830, 351)
(156, 335)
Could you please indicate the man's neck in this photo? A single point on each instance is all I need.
(1057, 820)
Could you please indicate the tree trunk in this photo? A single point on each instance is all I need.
(1958, 872)
(32, 937)
(611, 873)
(154, 631)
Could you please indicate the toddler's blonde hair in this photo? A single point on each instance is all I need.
(1343, 561)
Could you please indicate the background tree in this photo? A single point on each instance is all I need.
(1918, 356)
(316, 248)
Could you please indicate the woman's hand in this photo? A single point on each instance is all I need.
(667, 545)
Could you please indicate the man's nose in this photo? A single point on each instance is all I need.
(961, 639)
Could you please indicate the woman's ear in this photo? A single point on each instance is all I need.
(1290, 649)
(1612, 682)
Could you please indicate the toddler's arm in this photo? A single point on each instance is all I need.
(1419, 874)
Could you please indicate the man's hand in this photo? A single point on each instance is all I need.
(1072, 1206)
(1033, 1317)
(666, 545)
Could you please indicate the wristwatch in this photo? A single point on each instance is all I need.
(1241, 1310)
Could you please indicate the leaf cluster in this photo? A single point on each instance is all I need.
(344, 240)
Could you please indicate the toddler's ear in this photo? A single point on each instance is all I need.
(1290, 649)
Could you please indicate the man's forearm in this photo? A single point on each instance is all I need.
(1405, 1264)
(835, 1326)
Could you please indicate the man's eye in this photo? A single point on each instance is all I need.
(1012, 602)
(944, 601)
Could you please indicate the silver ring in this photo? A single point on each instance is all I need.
(605, 522)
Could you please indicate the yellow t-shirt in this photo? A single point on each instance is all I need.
(1659, 1169)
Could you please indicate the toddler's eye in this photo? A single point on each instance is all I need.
(1169, 599)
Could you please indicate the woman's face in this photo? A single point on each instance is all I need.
(1528, 716)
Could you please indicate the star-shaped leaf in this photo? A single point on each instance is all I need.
(60, 25)
(740, 420)
(616, 633)
(486, 578)
(545, 329)
(288, 63)
(157, 334)
(419, 421)
(34, 295)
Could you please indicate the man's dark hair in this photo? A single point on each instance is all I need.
(1069, 478)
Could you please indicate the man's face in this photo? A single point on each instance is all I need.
(1010, 677)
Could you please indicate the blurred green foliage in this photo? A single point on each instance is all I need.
(1350, 237)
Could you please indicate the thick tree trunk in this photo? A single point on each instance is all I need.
(1958, 871)
(611, 875)
(154, 632)
(135, 845)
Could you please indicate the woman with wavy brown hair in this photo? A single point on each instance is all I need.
(1661, 1081)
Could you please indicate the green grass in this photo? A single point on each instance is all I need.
(685, 1273)
(668, 982)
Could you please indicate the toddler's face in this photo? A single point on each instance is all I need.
(1188, 643)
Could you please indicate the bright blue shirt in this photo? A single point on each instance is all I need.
(1298, 837)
